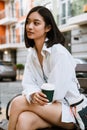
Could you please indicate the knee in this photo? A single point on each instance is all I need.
(24, 122)
(17, 104)
(21, 122)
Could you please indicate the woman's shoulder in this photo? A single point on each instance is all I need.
(63, 53)
(58, 48)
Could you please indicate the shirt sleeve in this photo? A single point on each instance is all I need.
(29, 84)
(62, 74)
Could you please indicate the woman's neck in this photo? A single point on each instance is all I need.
(39, 45)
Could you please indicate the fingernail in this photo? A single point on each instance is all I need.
(45, 95)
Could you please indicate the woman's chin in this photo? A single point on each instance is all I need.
(30, 37)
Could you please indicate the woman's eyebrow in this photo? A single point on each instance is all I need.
(37, 20)
(34, 19)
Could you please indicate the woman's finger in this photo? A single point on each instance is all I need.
(41, 98)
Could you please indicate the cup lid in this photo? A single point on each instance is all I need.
(47, 86)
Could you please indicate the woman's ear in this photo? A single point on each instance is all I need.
(48, 28)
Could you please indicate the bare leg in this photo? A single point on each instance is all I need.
(30, 121)
(50, 113)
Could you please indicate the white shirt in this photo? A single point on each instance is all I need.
(59, 68)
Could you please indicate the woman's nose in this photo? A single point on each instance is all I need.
(30, 25)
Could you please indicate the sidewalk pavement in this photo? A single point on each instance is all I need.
(3, 120)
(3, 124)
(3, 114)
(7, 91)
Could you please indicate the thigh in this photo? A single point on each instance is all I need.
(51, 113)
(29, 120)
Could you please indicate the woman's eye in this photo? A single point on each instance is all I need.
(36, 23)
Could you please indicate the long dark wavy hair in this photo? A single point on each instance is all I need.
(54, 35)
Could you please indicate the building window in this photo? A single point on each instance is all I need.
(13, 40)
(22, 32)
(63, 13)
(65, 10)
(21, 8)
(12, 9)
(69, 9)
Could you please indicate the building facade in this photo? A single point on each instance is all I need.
(12, 18)
(70, 16)
(73, 23)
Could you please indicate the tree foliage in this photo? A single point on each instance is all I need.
(77, 6)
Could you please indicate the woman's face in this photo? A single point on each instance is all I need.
(35, 26)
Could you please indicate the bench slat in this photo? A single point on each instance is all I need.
(83, 82)
(81, 68)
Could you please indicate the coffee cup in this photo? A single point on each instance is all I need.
(48, 90)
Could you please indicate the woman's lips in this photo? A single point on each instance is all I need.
(29, 33)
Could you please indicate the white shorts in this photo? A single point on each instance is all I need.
(67, 115)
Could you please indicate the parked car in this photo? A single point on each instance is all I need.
(7, 70)
(80, 61)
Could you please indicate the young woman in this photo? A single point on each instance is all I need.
(48, 61)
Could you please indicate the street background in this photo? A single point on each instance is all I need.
(8, 90)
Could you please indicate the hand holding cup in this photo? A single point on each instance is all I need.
(48, 90)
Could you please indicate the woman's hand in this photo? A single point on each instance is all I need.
(39, 98)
